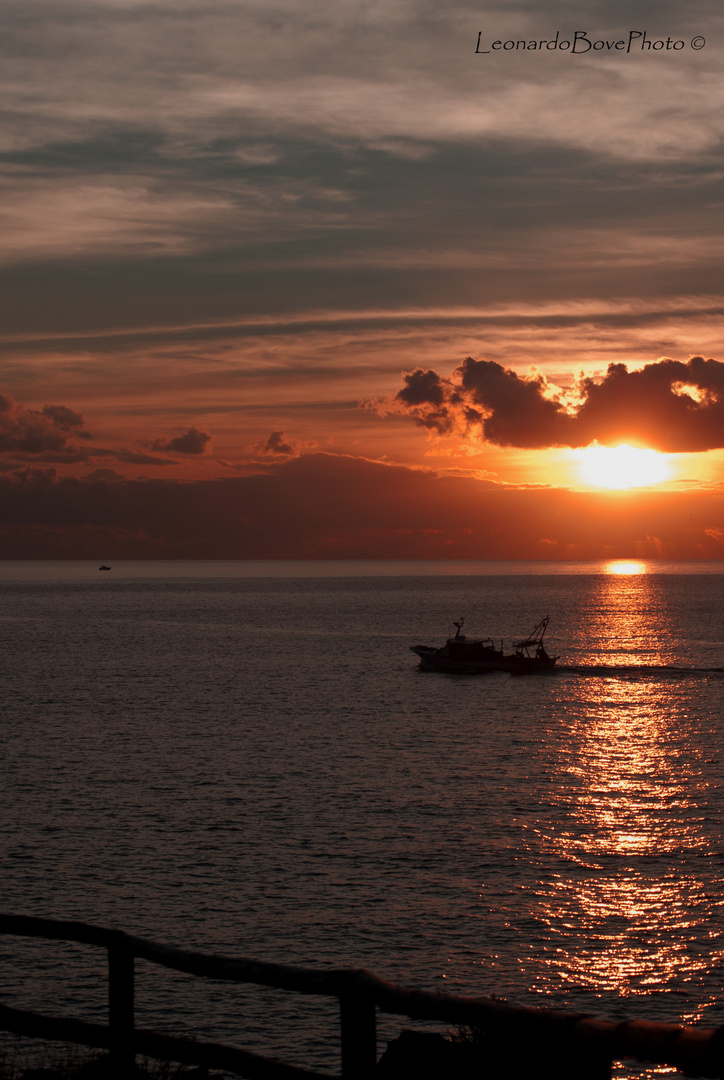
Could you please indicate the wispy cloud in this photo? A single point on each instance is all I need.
(169, 123)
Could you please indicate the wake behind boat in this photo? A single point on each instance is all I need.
(469, 656)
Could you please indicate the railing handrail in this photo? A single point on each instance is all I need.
(693, 1048)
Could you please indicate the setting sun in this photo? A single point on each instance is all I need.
(625, 567)
(622, 466)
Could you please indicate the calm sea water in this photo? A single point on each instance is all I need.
(244, 759)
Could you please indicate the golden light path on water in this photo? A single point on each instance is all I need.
(629, 817)
(627, 794)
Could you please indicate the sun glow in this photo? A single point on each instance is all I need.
(622, 466)
(628, 567)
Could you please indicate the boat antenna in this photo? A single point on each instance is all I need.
(459, 625)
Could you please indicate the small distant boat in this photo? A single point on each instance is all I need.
(104, 567)
(470, 656)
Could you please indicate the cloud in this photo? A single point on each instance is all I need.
(56, 434)
(667, 405)
(108, 476)
(66, 419)
(36, 478)
(92, 212)
(31, 431)
(324, 506)
(389, 72)
(147, 129)
(168, 164)
(279, 445)
(276, 444)
(128, 457)
(193, 441)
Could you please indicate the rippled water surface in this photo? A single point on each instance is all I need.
(254, 765)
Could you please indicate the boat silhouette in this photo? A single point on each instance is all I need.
(465, 655)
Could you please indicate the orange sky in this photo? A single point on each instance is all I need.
(224, 244)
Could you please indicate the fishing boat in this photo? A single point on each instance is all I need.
(465, 655)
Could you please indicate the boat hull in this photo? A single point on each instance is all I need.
(432, 659)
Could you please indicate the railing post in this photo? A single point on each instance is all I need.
(120, 1006)
(359, 1036)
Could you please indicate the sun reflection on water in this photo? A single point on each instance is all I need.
(625, 905)
(627, 622)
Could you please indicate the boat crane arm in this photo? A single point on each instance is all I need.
(536, 635)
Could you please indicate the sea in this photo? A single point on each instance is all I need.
(243, 758)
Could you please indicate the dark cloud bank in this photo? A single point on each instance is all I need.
(322, 506)
(668, 405)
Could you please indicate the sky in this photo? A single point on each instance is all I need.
(361, 279)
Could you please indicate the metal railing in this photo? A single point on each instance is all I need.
(585, 1046)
